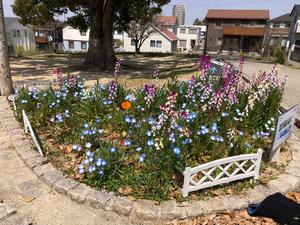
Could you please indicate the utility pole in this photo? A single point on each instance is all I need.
(6, 87)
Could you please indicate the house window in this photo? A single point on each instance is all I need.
(282, 25)
(237, 23)
(158, 44)
(218, 23)
(16, 33)
(253, 23)
(193, 31)
(83, 45)
(283, 42)
(71, 44)
(182, 30)
(132, 42)
(182, 43)
(152, 44)
(276, 25)
(82, 33)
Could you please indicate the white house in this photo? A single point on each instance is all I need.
(191, 37)
(162, 40)
(19, 35)
(74, 40)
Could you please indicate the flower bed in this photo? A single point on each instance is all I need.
(138, 142)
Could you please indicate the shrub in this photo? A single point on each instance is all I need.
(141, 140)
(278, 54)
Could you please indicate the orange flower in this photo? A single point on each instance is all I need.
(126, 105)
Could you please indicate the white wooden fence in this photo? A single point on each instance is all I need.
(28, 128)
(229, 169)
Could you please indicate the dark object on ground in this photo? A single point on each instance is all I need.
(279, 208)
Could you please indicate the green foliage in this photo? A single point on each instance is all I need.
(278, 54)
(197, 22)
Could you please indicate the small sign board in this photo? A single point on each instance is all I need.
(284, 128)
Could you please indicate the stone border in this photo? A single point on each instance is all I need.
(144, 210)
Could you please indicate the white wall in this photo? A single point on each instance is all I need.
(70, 33)
(26, 41)
(198, 37)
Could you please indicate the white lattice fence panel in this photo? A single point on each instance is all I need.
(221, 171)
(28, 128)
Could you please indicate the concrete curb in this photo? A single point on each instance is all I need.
(143, 210)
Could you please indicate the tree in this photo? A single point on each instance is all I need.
(6, 87)
(197, 22)
(101, 16)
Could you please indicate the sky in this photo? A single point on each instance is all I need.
(198, 8)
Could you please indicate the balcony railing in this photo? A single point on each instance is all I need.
(244, 31)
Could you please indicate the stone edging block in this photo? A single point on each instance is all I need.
(145, 209)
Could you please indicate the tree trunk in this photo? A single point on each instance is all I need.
(100, 54)
(6, 87)
(137, 47)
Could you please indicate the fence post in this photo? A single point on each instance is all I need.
(258, 161)
(187, 175)
(24, 121)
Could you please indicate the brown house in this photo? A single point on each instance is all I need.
(235, 30)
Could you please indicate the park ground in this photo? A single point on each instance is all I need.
(21, 190)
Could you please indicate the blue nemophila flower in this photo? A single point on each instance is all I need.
(130, 98)
(97, 120)
(88, 145)
(213, 138)
(103, 163)
(86, 161)
(142, 158)
(224, 114)
(127, 142)
(133, 120)
(100, 131)
(99, 162)
(150, 120)
(112, 149)
(148, 133)
(75, 147)
(85, 125)
(231, 145)
(24, 101)
(52, 120)
(109, 116)
(138, 149)
(176, 150)
(81, 170)
(88, 153)
(100, 172)
(150, 142)
(241, 133)
(127, 119)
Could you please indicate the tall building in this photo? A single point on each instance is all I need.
(179, 12)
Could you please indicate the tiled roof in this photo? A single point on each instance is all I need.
(296, 9)
(237, 14)
(284, 18)
(168, 34)
(166, 20)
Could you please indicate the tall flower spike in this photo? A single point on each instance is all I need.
(117, 68)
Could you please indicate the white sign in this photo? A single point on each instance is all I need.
(284, 128)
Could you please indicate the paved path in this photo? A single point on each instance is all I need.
(27, 200)
(292, 91)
